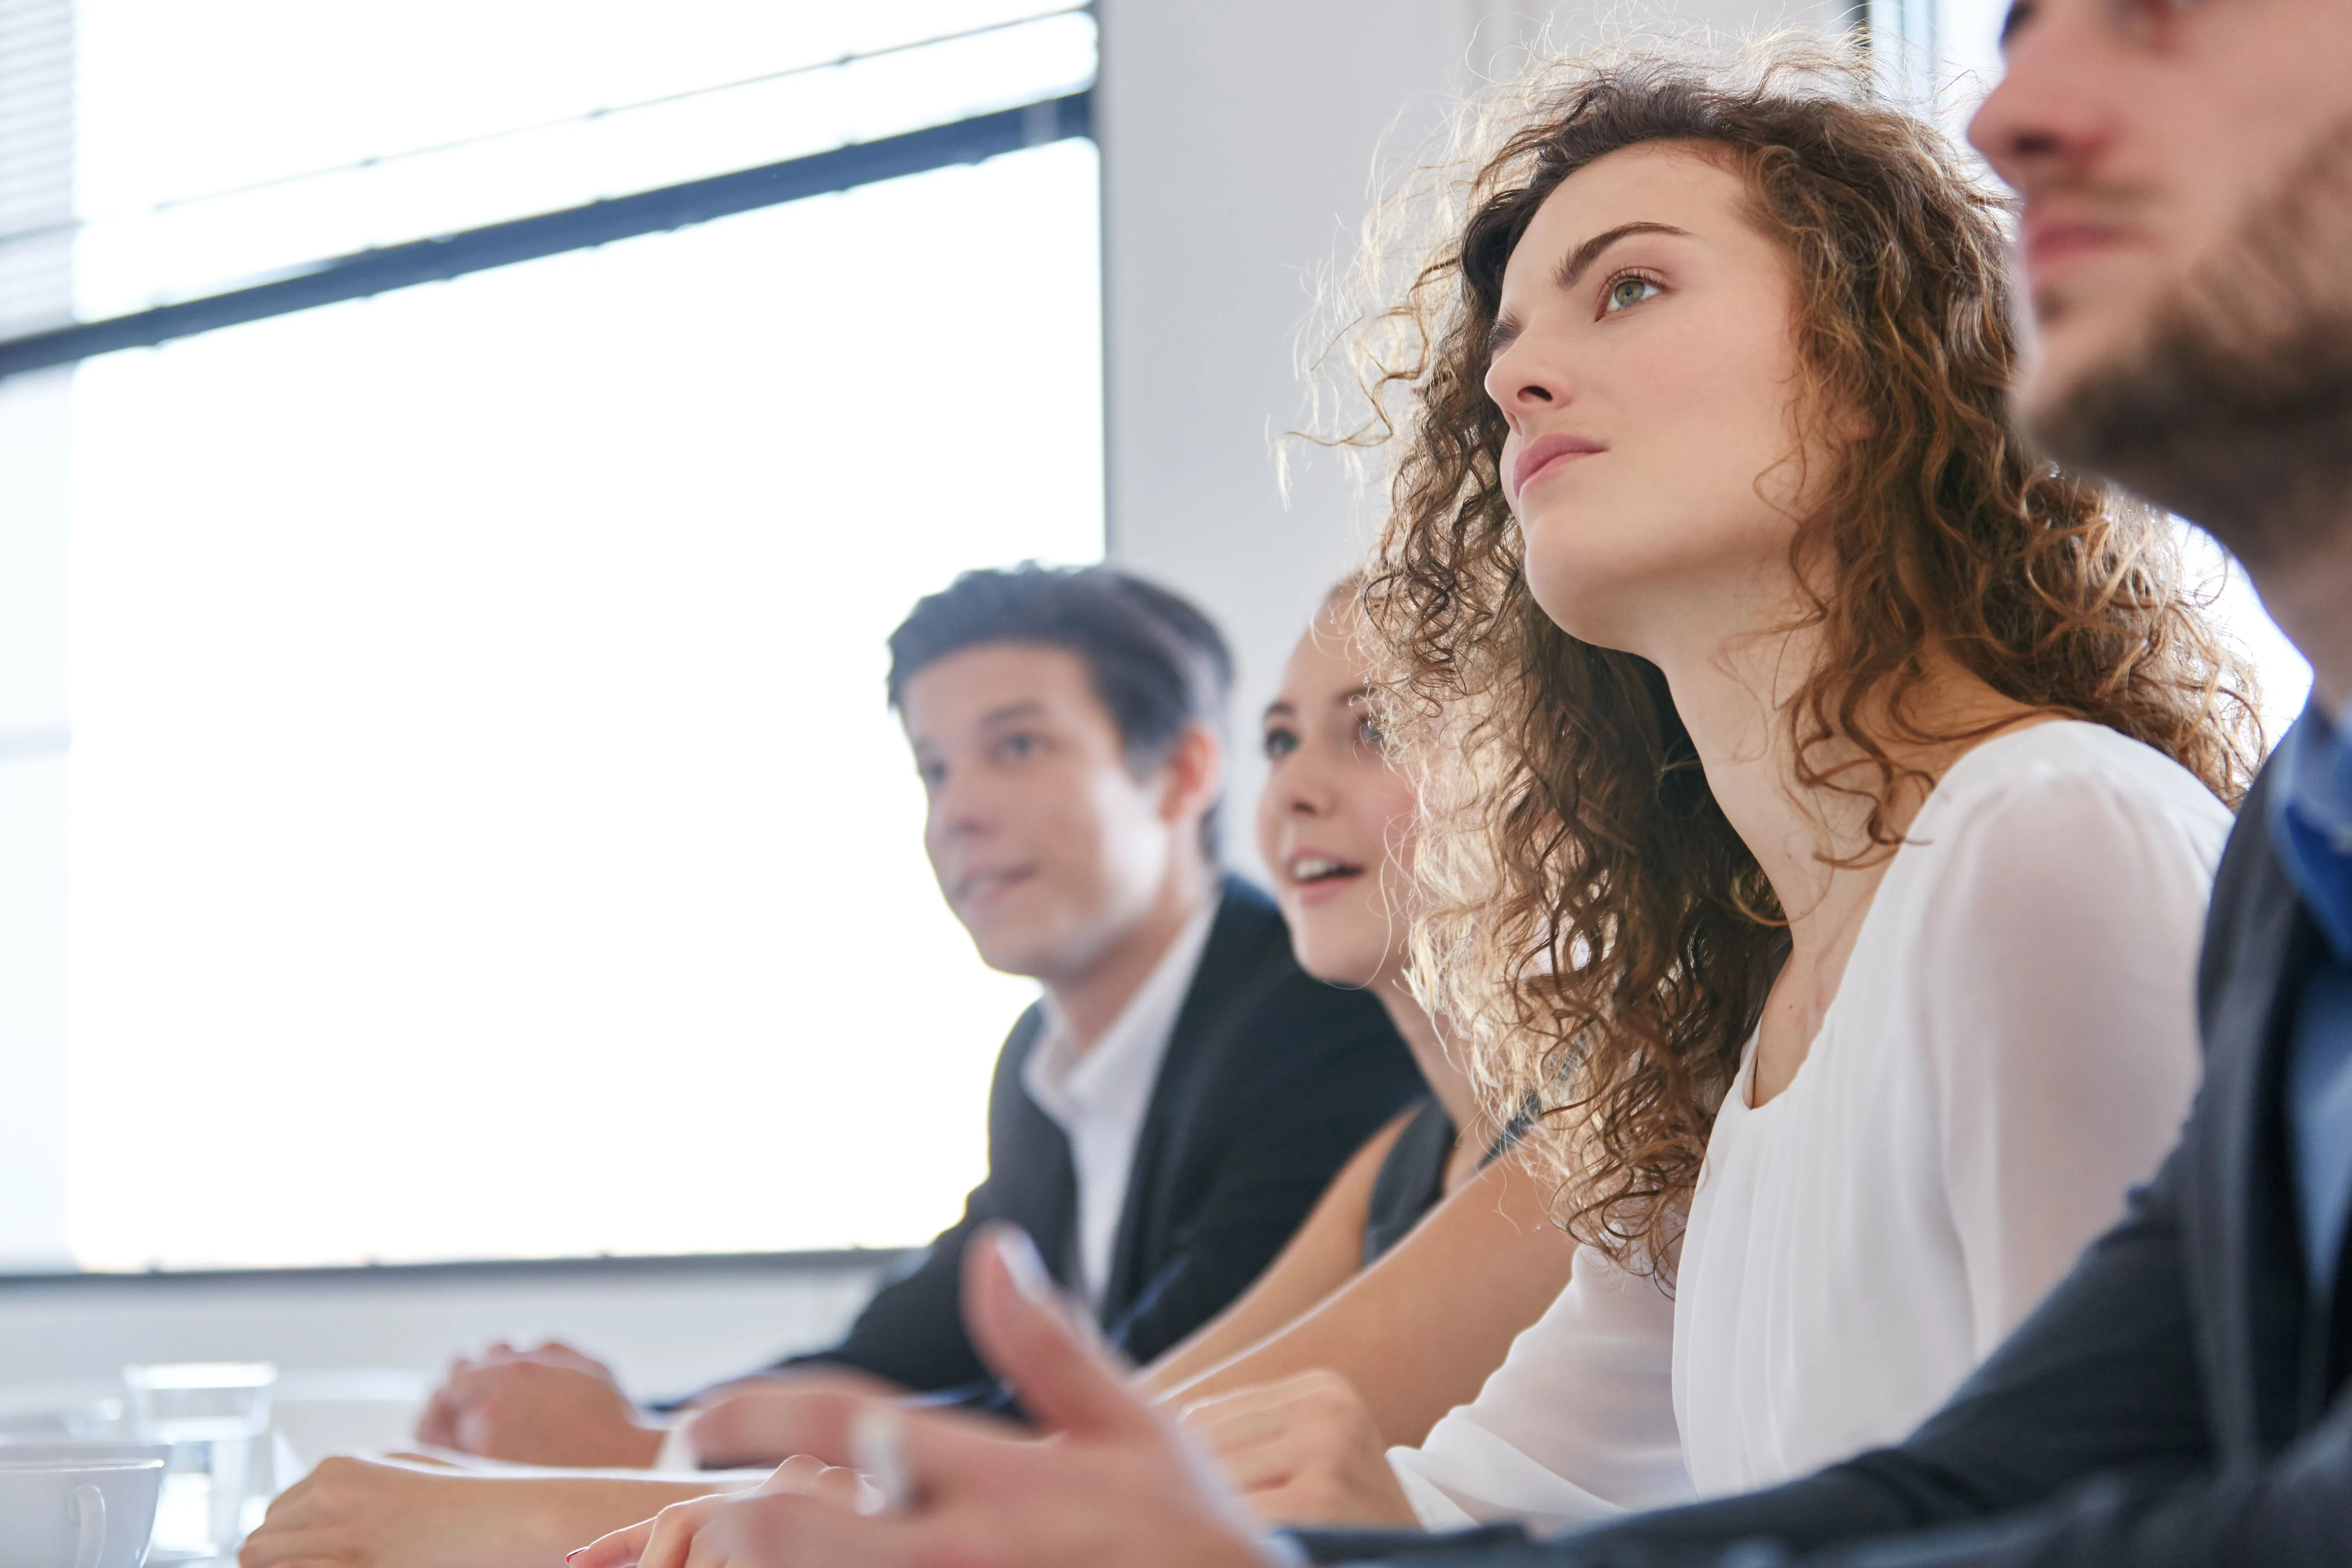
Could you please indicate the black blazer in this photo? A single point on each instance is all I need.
(1272, 1079)
(2175, 1401)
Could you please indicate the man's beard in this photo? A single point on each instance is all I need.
(2236, 412)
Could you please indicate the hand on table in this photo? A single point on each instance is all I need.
(756, 1421)
(1115, 1486)
(548, 1405)
(1304, 1451)
(366, 1513)
(714, 1523)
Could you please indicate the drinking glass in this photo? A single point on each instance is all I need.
(215, 1416)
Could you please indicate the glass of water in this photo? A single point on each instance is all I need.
(215, 1416)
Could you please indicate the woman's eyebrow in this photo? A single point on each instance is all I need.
(1585, 254)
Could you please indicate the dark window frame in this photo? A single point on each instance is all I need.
(442, 256)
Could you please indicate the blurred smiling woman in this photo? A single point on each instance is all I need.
(1368, 1302)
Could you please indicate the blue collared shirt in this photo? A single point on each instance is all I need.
(2311, 824)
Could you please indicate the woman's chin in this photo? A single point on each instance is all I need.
(1337, 963)
(1595, 619)
(1587, 598)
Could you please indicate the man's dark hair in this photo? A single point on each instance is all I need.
(1156, 662)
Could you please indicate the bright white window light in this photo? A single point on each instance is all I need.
(487, 837)
(223, 142)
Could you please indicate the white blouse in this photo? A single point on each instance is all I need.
(2011, 1046)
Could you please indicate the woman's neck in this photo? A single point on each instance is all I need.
(1813, 841)
(1446, 1082)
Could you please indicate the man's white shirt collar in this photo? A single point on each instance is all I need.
(1099, 1097)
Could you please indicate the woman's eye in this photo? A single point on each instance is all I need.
(1370, 733)
(1280, 743)
(1629, 290)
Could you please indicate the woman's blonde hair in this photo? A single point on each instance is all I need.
(1593, 932)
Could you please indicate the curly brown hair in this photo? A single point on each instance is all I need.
(1593, 931)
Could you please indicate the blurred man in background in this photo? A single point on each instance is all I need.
(1166, 1114)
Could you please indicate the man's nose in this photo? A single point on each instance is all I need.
(2048, 111)
(958, 808)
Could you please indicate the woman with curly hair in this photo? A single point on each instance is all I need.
(1823, 789)
(1822, 792)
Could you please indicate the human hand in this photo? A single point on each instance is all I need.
(1115, 1488)
(755, 1420)
(364, 1513)
(705, 1522)
(1304, 1451)
(546, 1405)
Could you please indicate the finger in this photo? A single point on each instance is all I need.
(781, 1531)
(1024, 1333)
(468, 1382)
(1241, 1429)
(572, 1356)
(619, 1549)
(435, 1426)
(1268, 1462)
(774, 1425)
(804, 1475)
(1276, 1403)
(794, 1474)
(671, 1532)
(844, 1487)
(1314, 1388)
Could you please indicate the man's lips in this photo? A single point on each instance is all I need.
(2049, 244)
(978, 887)
(1545, 452)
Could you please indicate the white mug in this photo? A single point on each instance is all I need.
(68, 1510)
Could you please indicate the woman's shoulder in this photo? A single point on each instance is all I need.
(2059, 829)
(2067, 787)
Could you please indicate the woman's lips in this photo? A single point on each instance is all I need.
(1316, 877)
(1324, 889)
(1546, 453)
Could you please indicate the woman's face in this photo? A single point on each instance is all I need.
(1335, 821)
(1645, 360)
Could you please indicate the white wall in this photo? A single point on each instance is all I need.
(668, 1326)
(1243, 144)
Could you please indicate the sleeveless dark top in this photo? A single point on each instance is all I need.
(1411, 1179)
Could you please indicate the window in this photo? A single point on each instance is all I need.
(485, 834)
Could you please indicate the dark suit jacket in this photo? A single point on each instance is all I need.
(1272, 1079)
(2174, 1404)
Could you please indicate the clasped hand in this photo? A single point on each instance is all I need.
(1116, 1486)
(545, 1405)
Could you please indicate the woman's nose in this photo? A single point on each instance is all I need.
(1306, 791)
(1517, 382)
